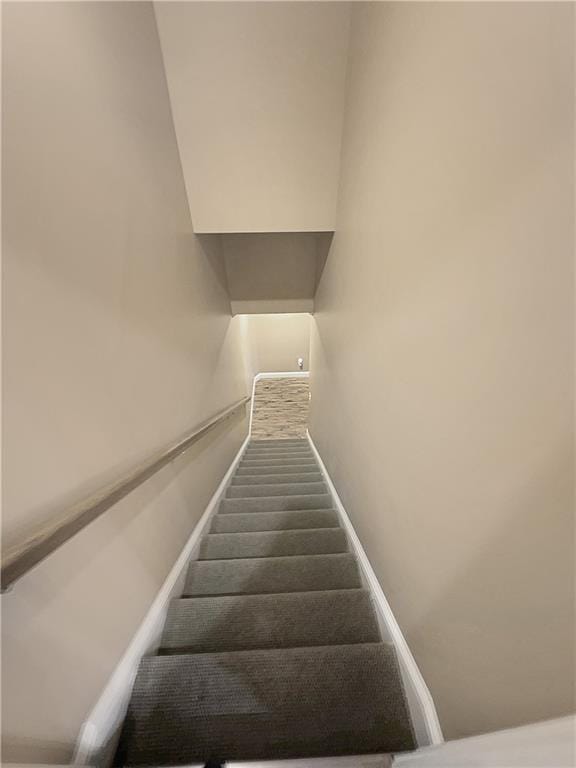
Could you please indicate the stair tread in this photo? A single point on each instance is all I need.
(263, 704)
(286, 620)
(287, 448)
(242, 471)
(297, 573)
(276, 503)
(277, 452)
(274, 521)
(282, 457)
(305, 477)
(291, 441)
(279, 462)
(251, 544)
(276, 449)
(279, 458)
(239, 491)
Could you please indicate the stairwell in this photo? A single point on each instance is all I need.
(273, 651)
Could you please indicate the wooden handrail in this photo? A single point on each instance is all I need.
(22, 557)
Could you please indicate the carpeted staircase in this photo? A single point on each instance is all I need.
(273, 651)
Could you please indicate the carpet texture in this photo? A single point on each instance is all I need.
(257, 460)
(275, 489)
(275, 521)
(293, 477)
(278, 469)
(308, 541)
(298, 573)
(277, 503)
(289, 620)
(273, 651)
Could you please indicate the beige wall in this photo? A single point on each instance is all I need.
(442, 349)
(275, 342)
(117, 339)
(271, 270)
(257, 92)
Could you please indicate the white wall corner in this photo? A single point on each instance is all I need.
(99, 734)
(420, 703)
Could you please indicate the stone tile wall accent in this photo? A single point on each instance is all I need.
(280, 408)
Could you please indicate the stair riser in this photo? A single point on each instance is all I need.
(282, 489)
(303, 445)
(291, 442)
(310, 477)
(246, 622)
(278, 454)
(274, 521)
(278, 462)
(281, 454)
(225, 546)
(304, 457)
(276, 503)
(280, 470)
(274, 575)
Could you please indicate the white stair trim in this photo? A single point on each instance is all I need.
(103, 723)
(420, 703)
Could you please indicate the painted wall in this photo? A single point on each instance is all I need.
(117, 340)
(538, 745)
(275, 342)
(442, 345)
(257, 93)
(271, 272)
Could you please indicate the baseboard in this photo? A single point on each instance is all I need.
(420, 703)
(97, 739)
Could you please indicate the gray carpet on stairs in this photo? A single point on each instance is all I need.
(262, 456)
(273, 651)
(275, 521)
(279, 442)
(290, 620)
(300, 469)
(273, 453)
(279, 461)
(295, 477)
(274, 489)
(277, 703)
(297, 573)
(308, 541)
(277, 503)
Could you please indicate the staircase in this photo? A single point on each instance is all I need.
(273, 651)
